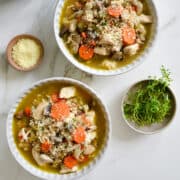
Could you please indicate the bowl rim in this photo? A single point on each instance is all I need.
(100, 72)
(13, 41)
(133, 127)
(44, 174)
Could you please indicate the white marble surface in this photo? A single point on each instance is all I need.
(130, 155)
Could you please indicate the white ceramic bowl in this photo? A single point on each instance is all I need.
(47, 175)
(94, 71)
(154, 128)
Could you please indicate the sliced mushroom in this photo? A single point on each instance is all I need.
(63, 30)
(47, 110)
(145, 18)
(101, 51)
(89, 149)
(67, 92)
(131, 49)
(19, 115)
(38, 111)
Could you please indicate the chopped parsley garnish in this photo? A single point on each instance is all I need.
(151, 102)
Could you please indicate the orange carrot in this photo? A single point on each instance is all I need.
(84, 35)
(86, 52)
(60, 110)
(27, 111)
(128, 35)
(114, 11)
(70, 162)
(54, 97)
(46, 146)
(79, 135)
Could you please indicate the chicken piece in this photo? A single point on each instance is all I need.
(109, 64)
(40, 160)
(77, 152)
(38, 111)
(90, 136)
(116, 47)
(73, 25)
(90, 115)
(118, 56)
(89, 149)
(139, 6)
(88, 16)
(46, 158)
(131, 50)
(23, 135)
(101, 51)
(130, 17)
(67, 92)
(65, 170)
(145, 19)
(110, 36)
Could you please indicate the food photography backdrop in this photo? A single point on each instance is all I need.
(130, 155)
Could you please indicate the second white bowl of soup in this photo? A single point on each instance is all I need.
(58, 129)
(105, 37)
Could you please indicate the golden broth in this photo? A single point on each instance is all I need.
(96, 61)
(47, 89)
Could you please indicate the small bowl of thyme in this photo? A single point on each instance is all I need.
(150, 105)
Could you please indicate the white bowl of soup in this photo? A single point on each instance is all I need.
(58, 129)
(105, 37)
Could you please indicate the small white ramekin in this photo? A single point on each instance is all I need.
(47, 175)
(100, 72)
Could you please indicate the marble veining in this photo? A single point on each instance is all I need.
(130, 155)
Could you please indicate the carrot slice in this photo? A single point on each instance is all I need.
(27, 111)
(46, 146)
(79, 135)
(114, 11)
(60, 110)
(70, 162)
(128, 35)
(86, 52)
(85, 120)
(54, 97)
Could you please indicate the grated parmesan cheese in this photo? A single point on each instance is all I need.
(26, 53)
